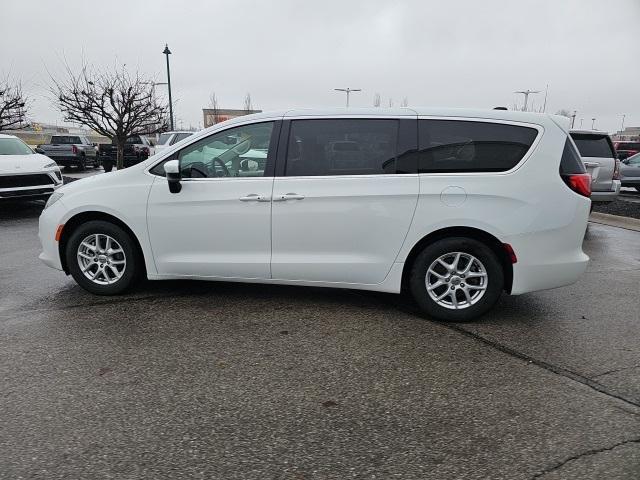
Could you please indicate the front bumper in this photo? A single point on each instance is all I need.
(608, 196)
(33, 191)
(47, 225)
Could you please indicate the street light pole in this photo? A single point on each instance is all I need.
(167, 52)
(573, 118)
(593, 123)
(526, 94)
(622, 126)
(347, 91)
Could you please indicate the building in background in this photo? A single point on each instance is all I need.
(216, 115)
(629, 133)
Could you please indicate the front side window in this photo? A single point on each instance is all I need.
(453, 146)
(591, 145)
(236, 152)
(14, 146)
(342, 147)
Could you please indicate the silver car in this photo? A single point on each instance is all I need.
(630, 172)
(599, 158)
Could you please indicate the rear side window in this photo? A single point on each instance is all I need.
(134, 140)
(593, 145)
(65, 140)
(342, 147)
(449, 146)
(571, 163)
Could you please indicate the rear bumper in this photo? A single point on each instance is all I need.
(552, 257)
(608, 196)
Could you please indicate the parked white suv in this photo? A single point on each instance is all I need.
(454, 205)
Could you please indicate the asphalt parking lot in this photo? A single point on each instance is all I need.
(216, 380)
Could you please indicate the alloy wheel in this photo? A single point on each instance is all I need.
(101, 259)
(456, 280)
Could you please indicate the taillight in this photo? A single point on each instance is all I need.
(572, 170)
(579, 183)
(74, 149)
(616, 170)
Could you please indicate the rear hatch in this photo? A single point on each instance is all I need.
(598, 157)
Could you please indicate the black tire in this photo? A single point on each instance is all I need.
(429, 306)
(107, 165)
(133, 268)
(82, 163)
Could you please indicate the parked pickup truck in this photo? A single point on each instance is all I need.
(70, 151)
(136, 149)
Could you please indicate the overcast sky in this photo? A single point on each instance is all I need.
(292, 53)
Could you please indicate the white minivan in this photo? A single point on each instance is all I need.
(455, 206)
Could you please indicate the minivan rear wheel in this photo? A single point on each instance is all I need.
(456, 279)
(103, 258)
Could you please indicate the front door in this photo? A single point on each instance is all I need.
(219, 224)
(345, 201)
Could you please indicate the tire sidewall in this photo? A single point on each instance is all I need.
(495, 280)
(132, 268)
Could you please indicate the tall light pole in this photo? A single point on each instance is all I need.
(526, 94)
(622, 126)
(573, 118)
(167, 52)
(347, 91)
(593, 123)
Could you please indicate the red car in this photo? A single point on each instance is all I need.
(625, 149)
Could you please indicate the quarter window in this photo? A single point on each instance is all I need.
(449, 146)
(342, 147)
(237, 152)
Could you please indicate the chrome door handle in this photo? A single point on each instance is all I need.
(254, 197)
(288, 196)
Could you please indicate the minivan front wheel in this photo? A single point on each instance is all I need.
(102, 258)
(456, 279)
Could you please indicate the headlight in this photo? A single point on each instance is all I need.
(53, 199)
(52, 164)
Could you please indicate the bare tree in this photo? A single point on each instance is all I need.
(13, 105)
(213, 104)
(247, 102)
(564, 112)
(405, 102)
(376, 99)
(112, 103)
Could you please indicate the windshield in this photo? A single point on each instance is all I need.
(14, 146)
(164, 138)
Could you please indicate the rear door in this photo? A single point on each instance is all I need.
(599, 158)
(343, 199)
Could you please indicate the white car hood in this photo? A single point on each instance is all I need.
(18, 164)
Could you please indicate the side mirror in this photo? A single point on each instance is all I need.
(172, 169)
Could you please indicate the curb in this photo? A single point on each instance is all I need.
(615, 221)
